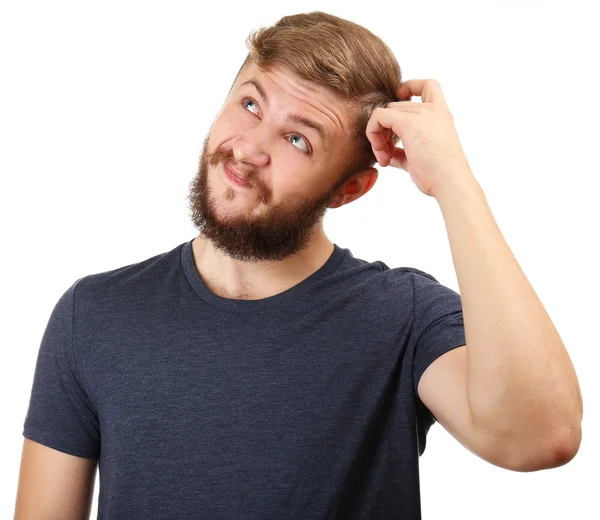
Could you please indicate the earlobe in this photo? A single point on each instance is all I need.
(336, 202)
(364, 181)
(372, 174)
(360, 185)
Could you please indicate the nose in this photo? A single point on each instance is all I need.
(251, 148)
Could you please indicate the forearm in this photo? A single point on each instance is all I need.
(520, 379)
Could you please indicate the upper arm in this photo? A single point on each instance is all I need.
(53, 484)
(443, 390)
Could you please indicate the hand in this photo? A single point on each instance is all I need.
(432, 152)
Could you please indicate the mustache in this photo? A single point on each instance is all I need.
(226, 158)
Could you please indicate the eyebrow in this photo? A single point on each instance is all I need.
(291, 118)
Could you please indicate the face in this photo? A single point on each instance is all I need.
(291, 170)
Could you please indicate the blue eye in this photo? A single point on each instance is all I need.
(244, 100)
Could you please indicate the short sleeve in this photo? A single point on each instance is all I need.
(60, 414)
(438, 326)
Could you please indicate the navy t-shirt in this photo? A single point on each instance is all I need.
(299, 405)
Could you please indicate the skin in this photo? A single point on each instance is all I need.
(258, 241)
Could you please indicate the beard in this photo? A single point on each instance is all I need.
(280, 231)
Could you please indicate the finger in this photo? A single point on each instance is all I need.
(409, 106)
(429, 90)
(387, 135)
(385, 147)
(391, 146)
(384, 150)
(381, 120)
(387, 152)
(378, 140)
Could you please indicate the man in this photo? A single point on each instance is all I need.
(262, 371)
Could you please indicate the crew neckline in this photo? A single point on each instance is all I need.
(299, 295)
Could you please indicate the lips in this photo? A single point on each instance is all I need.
(234, 172)
(237, 176)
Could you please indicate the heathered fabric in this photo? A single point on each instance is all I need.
(300, 405)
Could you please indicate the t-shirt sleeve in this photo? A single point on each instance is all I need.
(60, 414)
(438, 324)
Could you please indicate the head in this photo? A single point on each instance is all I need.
(331, 74)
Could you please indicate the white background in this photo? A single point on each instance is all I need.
(103, 111)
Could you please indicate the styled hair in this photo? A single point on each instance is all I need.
(339, 55)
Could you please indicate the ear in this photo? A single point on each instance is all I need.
(356, 187)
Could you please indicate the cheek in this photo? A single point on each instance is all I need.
(226, 124)
(289, 183)
(232, 118)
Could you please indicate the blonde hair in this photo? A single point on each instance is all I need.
(340, 55)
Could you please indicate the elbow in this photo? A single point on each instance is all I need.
(558, 453)
(567, 445)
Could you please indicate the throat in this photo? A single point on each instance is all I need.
(246, 292)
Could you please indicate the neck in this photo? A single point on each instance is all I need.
(239, 280)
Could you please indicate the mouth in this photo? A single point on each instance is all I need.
(235, 178)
